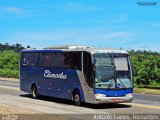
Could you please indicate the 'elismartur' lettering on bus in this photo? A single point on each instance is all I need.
(48, 74)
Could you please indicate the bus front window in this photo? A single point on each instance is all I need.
(112, 71)
(104, 77)
(105, 71)
(123, 72)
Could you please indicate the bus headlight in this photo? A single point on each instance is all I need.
(129, 95)
(100, 95)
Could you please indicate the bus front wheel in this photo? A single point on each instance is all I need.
(77, 98)
(34, 92)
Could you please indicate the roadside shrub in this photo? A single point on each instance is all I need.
(9, 64)
(9, 73)
(147, 65)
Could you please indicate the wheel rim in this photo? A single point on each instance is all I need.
(34, 92)
(76, 97)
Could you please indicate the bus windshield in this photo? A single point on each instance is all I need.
(112, 71)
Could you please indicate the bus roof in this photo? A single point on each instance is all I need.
(72, 48)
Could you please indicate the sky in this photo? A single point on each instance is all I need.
(125, 24)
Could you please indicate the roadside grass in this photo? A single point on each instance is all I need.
(147, 91)
(9, 73)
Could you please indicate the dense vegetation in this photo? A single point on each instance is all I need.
(9, 64)
(146, 63)
(9, 60)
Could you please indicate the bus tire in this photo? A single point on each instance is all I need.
(77, 98)
(34, 92)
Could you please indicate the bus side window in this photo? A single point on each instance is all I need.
(67, 60)
(45, 60)
(29, 59)
(59, 60)
(70, 60)
(24, 59)
(76, 60)
(88, 69)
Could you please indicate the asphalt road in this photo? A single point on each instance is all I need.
(10, 94)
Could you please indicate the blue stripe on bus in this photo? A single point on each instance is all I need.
(114, 93)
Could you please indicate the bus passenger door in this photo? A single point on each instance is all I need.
(88, 78)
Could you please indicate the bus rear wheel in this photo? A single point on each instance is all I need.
(77, 98)
(34, 92)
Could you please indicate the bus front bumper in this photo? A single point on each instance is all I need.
(103, 99)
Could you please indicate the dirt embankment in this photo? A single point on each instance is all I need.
(11, 79)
